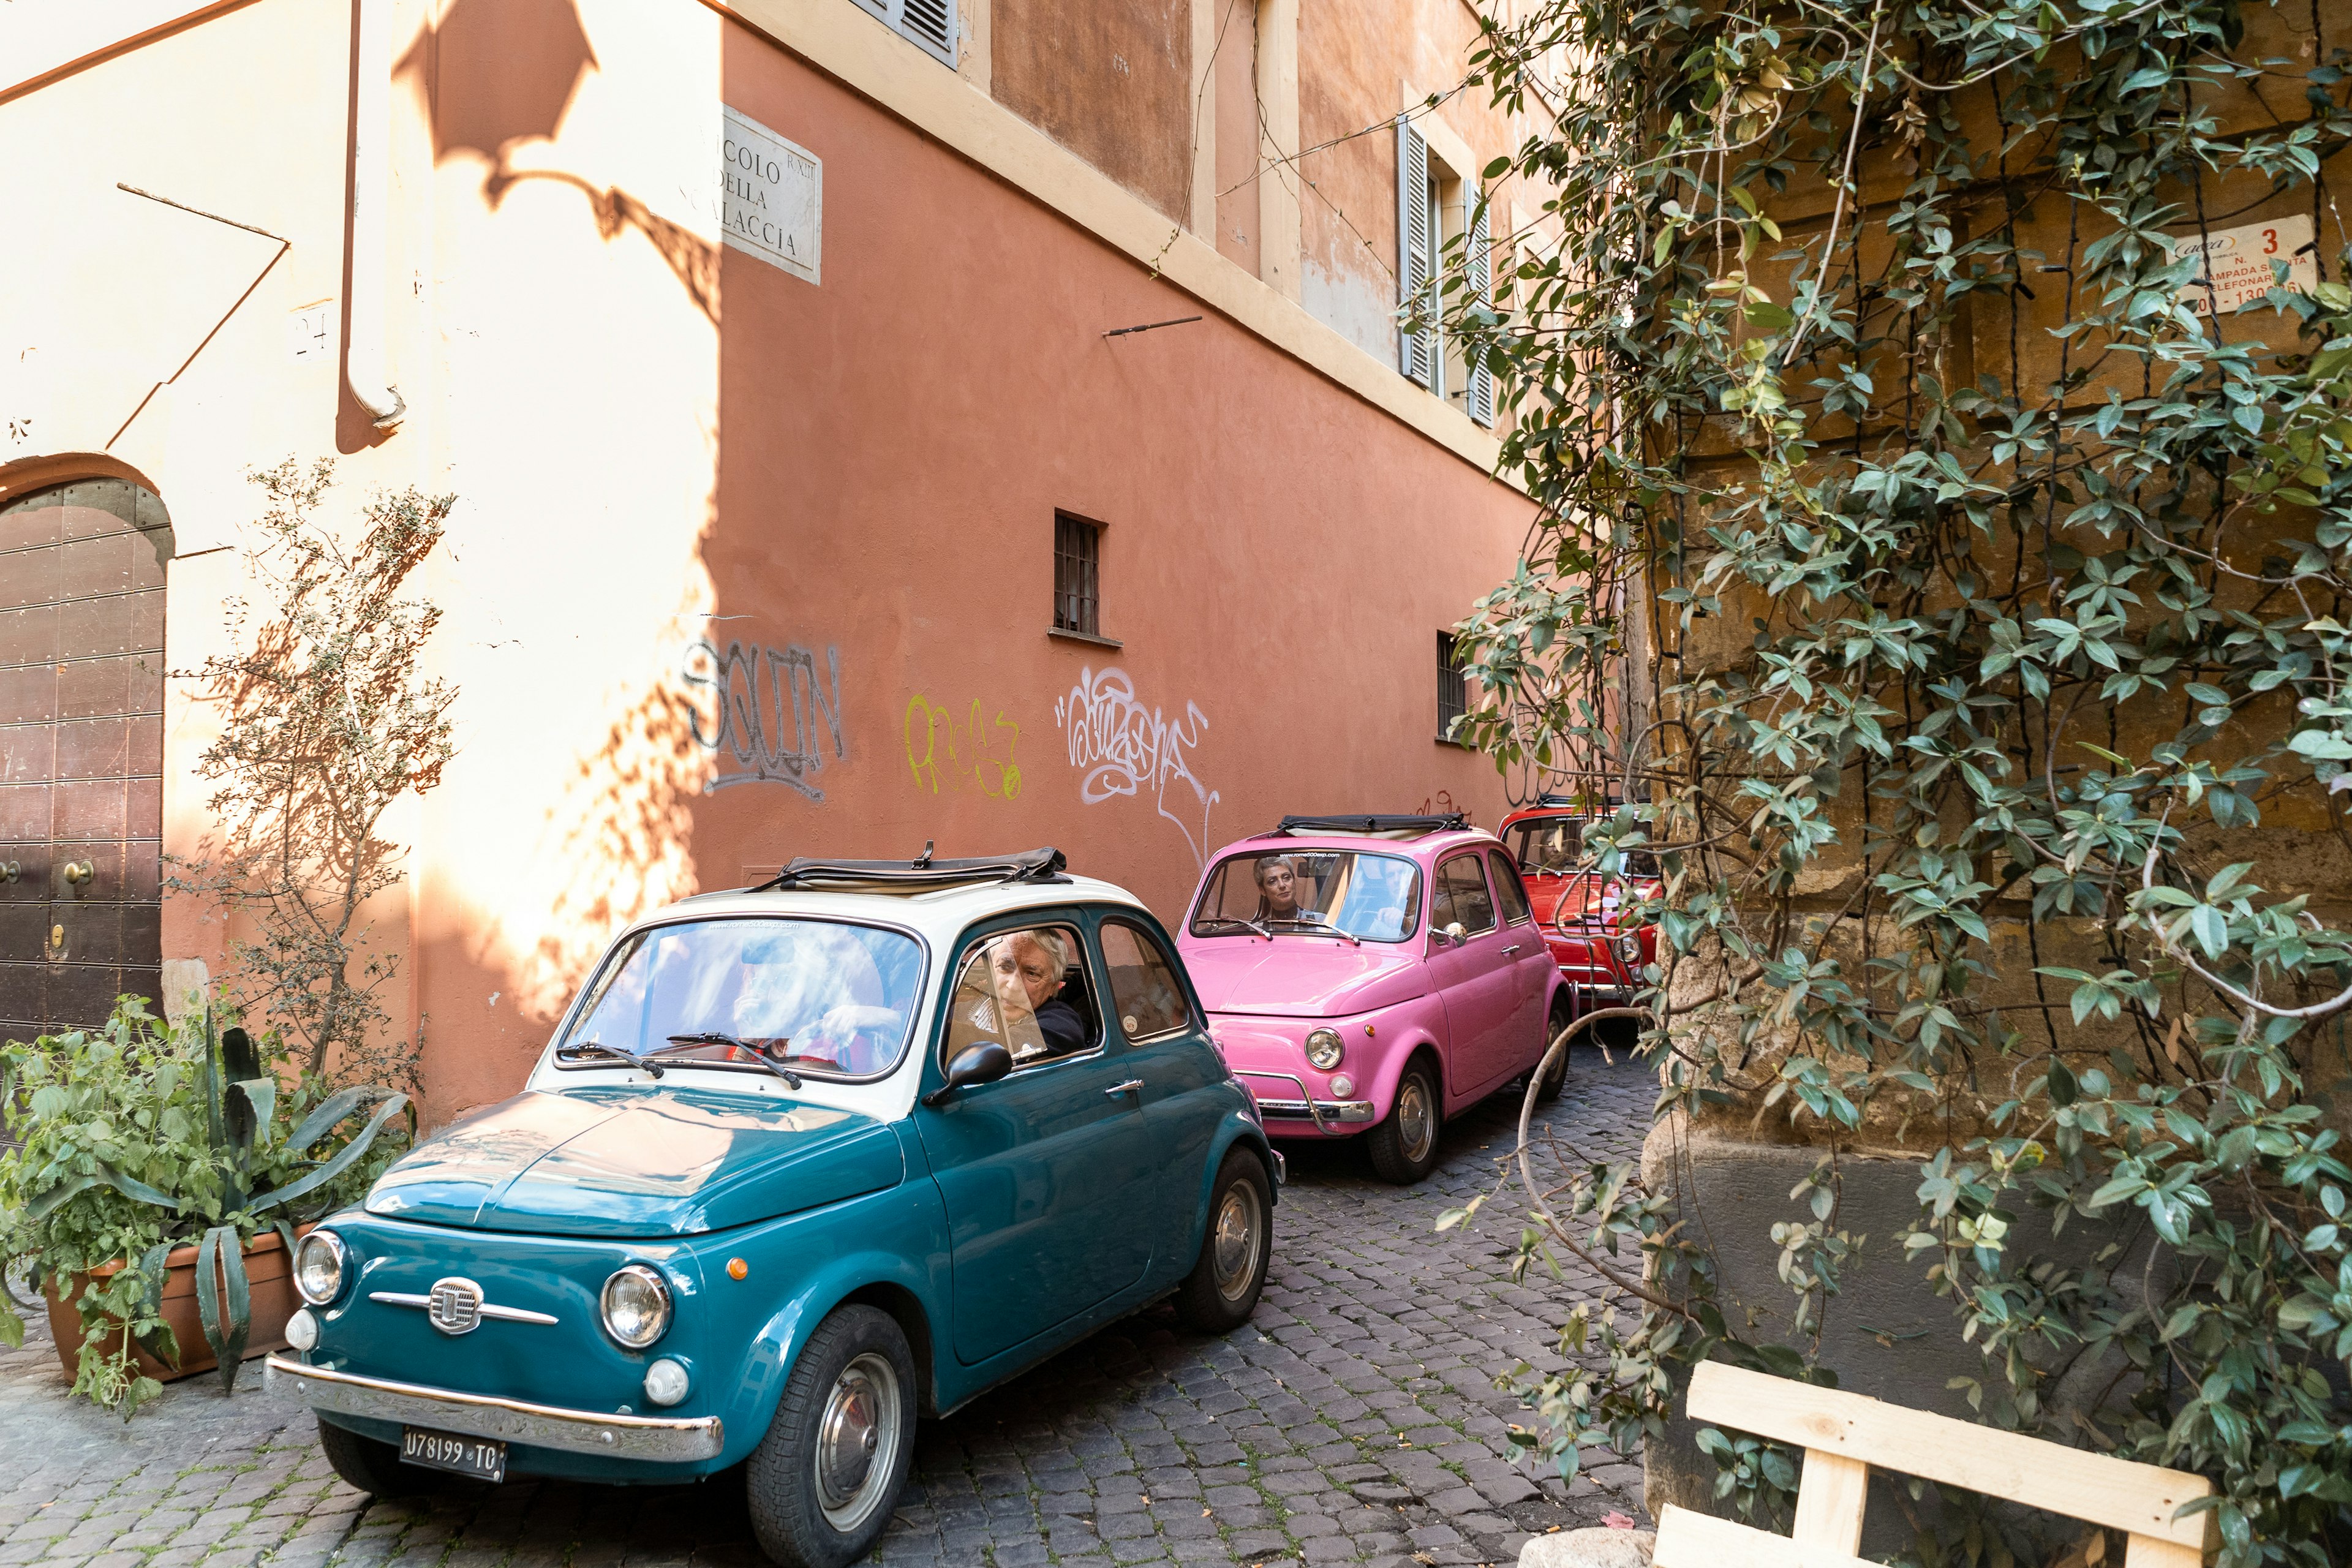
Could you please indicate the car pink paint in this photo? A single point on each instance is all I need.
(1360, 949)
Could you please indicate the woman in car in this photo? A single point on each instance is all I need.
(1278, 889)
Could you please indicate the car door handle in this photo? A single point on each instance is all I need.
(1132, 1086)
(1510, 950)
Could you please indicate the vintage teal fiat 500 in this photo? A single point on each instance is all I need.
(801, 1164)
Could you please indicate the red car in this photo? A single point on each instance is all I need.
(1600, 947)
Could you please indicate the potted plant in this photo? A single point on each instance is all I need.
(163, 1173)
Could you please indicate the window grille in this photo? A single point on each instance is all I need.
(1078, 575)
(929, 22)
(1453, 697)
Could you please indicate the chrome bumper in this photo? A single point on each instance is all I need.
(1306, 1106)
(510, 1420)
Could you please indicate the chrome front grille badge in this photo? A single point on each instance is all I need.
(456, 1306)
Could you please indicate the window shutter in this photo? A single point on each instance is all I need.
(929, 23)
(1482, 289)
(1417, 351)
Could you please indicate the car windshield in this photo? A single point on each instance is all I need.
(818, 997)
(1554, 846)
(1326, 893)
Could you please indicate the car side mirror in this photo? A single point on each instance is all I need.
(974, 1065)
(1455, 934)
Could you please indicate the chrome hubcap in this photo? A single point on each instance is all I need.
(856, 1441)
(1233, 1243)
(1416, 1126)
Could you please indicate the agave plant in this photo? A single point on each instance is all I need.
(127, 1152)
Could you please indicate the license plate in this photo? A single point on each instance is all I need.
(476, 1457)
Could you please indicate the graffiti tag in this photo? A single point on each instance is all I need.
(775, 712)
(971, 748)
(1120, 748)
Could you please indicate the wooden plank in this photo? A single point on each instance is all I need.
(2139, 1499)
(1687, 1539)
(1829, 1501)
(2148, 1551)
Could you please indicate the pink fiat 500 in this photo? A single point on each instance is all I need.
(1373, 974)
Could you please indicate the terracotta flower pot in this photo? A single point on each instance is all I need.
(267, 1267)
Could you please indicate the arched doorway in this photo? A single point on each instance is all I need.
(82, 752)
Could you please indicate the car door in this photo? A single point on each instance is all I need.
(1167, 1048)
(1048, 1175)
(1532, 965)
(1477, 978)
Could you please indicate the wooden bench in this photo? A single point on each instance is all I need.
(1845, 1435)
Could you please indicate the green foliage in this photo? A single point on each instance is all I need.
(138, 1138)
(327, 719)
(1950, 551)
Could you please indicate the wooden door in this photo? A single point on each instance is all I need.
(81, 753)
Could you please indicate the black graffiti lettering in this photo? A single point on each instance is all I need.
(754, 686)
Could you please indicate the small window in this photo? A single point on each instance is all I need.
(1453, 697)
(1143, 984)
(1078, 575)
(1508, 891)
(1462, 896)
(1026, 990)
(930, 23)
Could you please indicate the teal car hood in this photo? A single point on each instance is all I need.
(636, 1162)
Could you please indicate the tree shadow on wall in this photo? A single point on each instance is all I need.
(498, 74)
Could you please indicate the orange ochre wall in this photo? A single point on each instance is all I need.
(679, 465)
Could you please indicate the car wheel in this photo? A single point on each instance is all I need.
(823, 1483)
(1554, 1081)
(1403, 1147)
(373, 1466)
(1221, 1292)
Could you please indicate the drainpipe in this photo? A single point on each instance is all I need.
(363, 366)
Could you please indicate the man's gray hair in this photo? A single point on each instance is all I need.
(1052, 943)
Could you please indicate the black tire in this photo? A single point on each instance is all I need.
(1403, 1147)
(1548, 1089)
(373, 1467)
(821, 1484)
(1221, 1292)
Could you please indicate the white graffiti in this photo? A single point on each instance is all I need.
(752, 684)
(1122, 749)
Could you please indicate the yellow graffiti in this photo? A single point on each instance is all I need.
(972, 748)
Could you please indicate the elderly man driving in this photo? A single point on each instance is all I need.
(1025, 969)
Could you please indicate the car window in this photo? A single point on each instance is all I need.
(1462, 896)
(822, 996)
(1312, 893)
(1026, 990)
(1548, 842)
(1144, 989)
(1509, 891)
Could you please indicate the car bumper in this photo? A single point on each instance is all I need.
(1327, 1116)
(648, 1438)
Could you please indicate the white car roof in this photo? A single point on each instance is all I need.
(939, 914)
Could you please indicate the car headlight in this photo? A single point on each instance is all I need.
(1629, 948)
(636, 1306)
(1324, 1049)
(319, 1260)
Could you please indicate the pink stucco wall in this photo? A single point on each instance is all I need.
(668, 452)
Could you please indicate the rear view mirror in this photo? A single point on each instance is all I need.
(974, 1065)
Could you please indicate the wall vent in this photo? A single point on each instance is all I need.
(930, 23)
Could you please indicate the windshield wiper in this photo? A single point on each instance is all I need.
(759, 1053)
(1322, 927)
(586, 1048)
(1232, 920)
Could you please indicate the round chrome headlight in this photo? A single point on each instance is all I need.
(1324, 1049)
(636, 1306)
(319, 1260)
(1629, 948)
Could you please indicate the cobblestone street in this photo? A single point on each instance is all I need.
(1354, 1420)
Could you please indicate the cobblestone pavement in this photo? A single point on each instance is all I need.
(1354, 1419)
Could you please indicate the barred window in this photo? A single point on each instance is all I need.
(1452, 700)
(1078, 575)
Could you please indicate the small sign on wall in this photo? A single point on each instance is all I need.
(772, 197)
(2240, 260)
